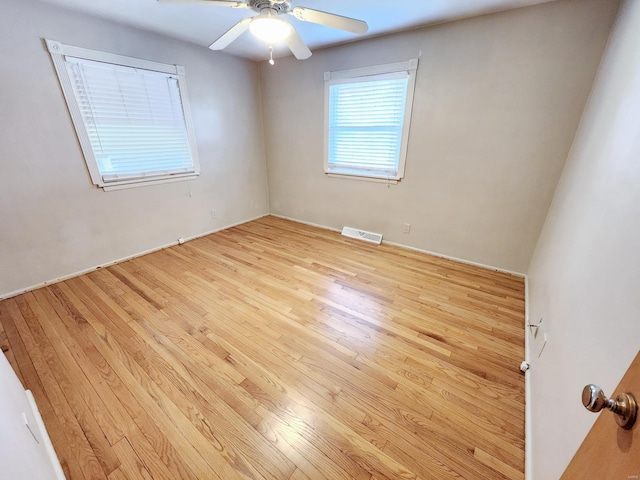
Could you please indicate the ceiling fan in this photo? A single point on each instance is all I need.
(271, 28)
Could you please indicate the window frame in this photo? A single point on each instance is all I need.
(59, 51)
(361, 75)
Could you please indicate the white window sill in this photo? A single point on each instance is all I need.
(365, 178)
(143, 183)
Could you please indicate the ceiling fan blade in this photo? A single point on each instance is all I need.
(330, 20)
(231, 34)
(297, 46)
(217, 3)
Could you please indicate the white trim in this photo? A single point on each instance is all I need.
(311, 224)
(284, 217)
(528, 424)
(51, 453)
(146, 183)
(393, 75)
(188, 121)
(528, 455)
(124, 259)
(356, 75)
(456, 259)
(363, 174)
(528, 416)
(373, 70)
(59, 51)
(408, 112)
(56, 48)
(415, 249)
(391, 181)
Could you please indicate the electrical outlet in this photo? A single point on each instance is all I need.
(406, 228)
(214, 214)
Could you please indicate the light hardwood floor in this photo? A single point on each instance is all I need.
(275, 350)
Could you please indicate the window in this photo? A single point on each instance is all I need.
(367, 116)
(131, 117)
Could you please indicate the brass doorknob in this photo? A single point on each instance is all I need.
(624, 406)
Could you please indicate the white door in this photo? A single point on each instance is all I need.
(25, 450)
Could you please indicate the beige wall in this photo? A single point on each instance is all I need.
(585, 274)
(53, 222)
(497, 103)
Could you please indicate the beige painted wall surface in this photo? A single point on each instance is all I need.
(53, 222)
(584, 277)
(497, 103)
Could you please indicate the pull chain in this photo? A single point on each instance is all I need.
(271, 62)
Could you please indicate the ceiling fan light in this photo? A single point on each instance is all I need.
(269, 28)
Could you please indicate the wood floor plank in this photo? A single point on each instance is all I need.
(30, 377)
(277, 350)
(131, 466)
(117, 475)
(112, 418)
(92, 415)
(122, 349)
(93, 342)
(496, 464)
(43, 358)
(87, 395)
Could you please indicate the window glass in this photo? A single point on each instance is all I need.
(131, 122)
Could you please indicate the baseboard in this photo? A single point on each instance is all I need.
(400, 245)
(527, 375)
(120, 260)
(456, 259)
(324, 227)
(528, 447)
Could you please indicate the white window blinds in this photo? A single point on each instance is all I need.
(365, 124)
(134, 120)
(131, 116)
(367, 120)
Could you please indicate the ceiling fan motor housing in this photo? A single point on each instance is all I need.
(279, 6)
(271, 28)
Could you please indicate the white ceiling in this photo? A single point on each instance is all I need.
(202, 24)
